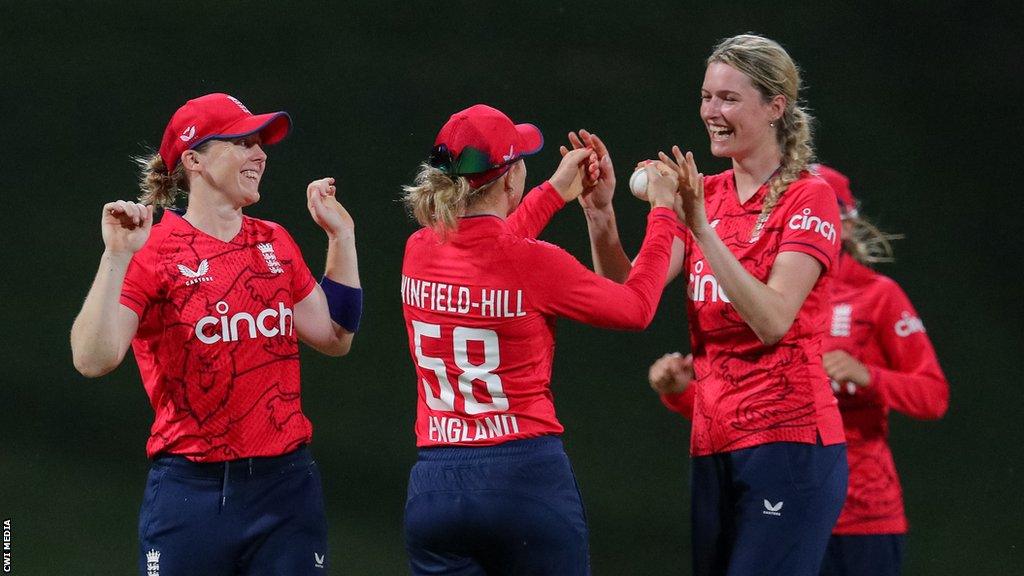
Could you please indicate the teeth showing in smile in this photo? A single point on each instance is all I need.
(251, 174)
(719, 133)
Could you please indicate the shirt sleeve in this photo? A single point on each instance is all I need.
(912, 382)
(302, 281)
(532, 215)
(811, 223)
(681, 402)
(566, 288)
(141, 283)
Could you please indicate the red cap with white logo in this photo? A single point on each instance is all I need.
(217, 116)
(841, 185)
(493, 140)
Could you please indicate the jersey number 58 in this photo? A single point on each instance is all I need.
(468, 372)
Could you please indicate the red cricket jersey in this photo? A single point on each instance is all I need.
(747, 393)
(873, 320)
(216, 343)
(480, 311)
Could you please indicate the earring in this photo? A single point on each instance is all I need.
(772, 124)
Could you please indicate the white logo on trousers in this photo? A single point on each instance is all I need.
(772, 509)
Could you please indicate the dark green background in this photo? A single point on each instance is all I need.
(919, 104)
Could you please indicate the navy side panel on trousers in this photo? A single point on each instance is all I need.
(255, 516)
(510, 509)
(767, 509)
(864, 555)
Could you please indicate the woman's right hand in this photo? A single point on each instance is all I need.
(125, 226)
(599, 177)
(661, 185)
(569, 176)
(671, 374)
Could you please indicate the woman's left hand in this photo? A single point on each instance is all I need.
(691, 190)
(325, 209)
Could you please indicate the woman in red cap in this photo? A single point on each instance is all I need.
(492, 491)
(879, 359)
(213, 304)
(768, 455)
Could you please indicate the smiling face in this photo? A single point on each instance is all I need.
(233, 168)
(736, 114)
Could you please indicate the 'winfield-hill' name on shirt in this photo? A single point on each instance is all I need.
(441, 297)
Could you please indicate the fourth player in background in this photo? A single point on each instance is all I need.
(879, 359)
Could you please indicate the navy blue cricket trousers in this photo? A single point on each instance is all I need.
(766, 510)
(510, 509)
(254, 517)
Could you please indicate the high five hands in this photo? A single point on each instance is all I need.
(599, 181)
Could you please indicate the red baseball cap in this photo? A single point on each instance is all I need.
(841, 185)
(217, 116)
(481, 142)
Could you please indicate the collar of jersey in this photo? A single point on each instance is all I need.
(175, 217)
(753, 204)
(481, 225)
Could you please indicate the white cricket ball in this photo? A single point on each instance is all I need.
(638, 183)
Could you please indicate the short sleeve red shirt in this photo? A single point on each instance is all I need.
(216, 343)
(749, 393)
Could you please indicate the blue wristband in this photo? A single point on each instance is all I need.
(345, 303)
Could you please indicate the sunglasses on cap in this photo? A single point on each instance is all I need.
(470, 161)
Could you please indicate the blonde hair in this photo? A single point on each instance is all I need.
(773, 73)
(436, 200)
(865, 242)
(158, 187)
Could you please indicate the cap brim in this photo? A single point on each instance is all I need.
(272, 128)
(530, 139)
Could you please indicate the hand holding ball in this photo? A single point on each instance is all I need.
(638, 183)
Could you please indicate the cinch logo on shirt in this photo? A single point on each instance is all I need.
(841, 319)
(804, 221)
(224, 328)
(908, 324)
(702, 287)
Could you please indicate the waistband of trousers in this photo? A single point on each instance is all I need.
(514, 449)
(255, 466)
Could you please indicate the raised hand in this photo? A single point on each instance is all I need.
(599, 180)
(569, 176)
(327, 212)
(125, 226)
(671, 374)
(691, 190)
